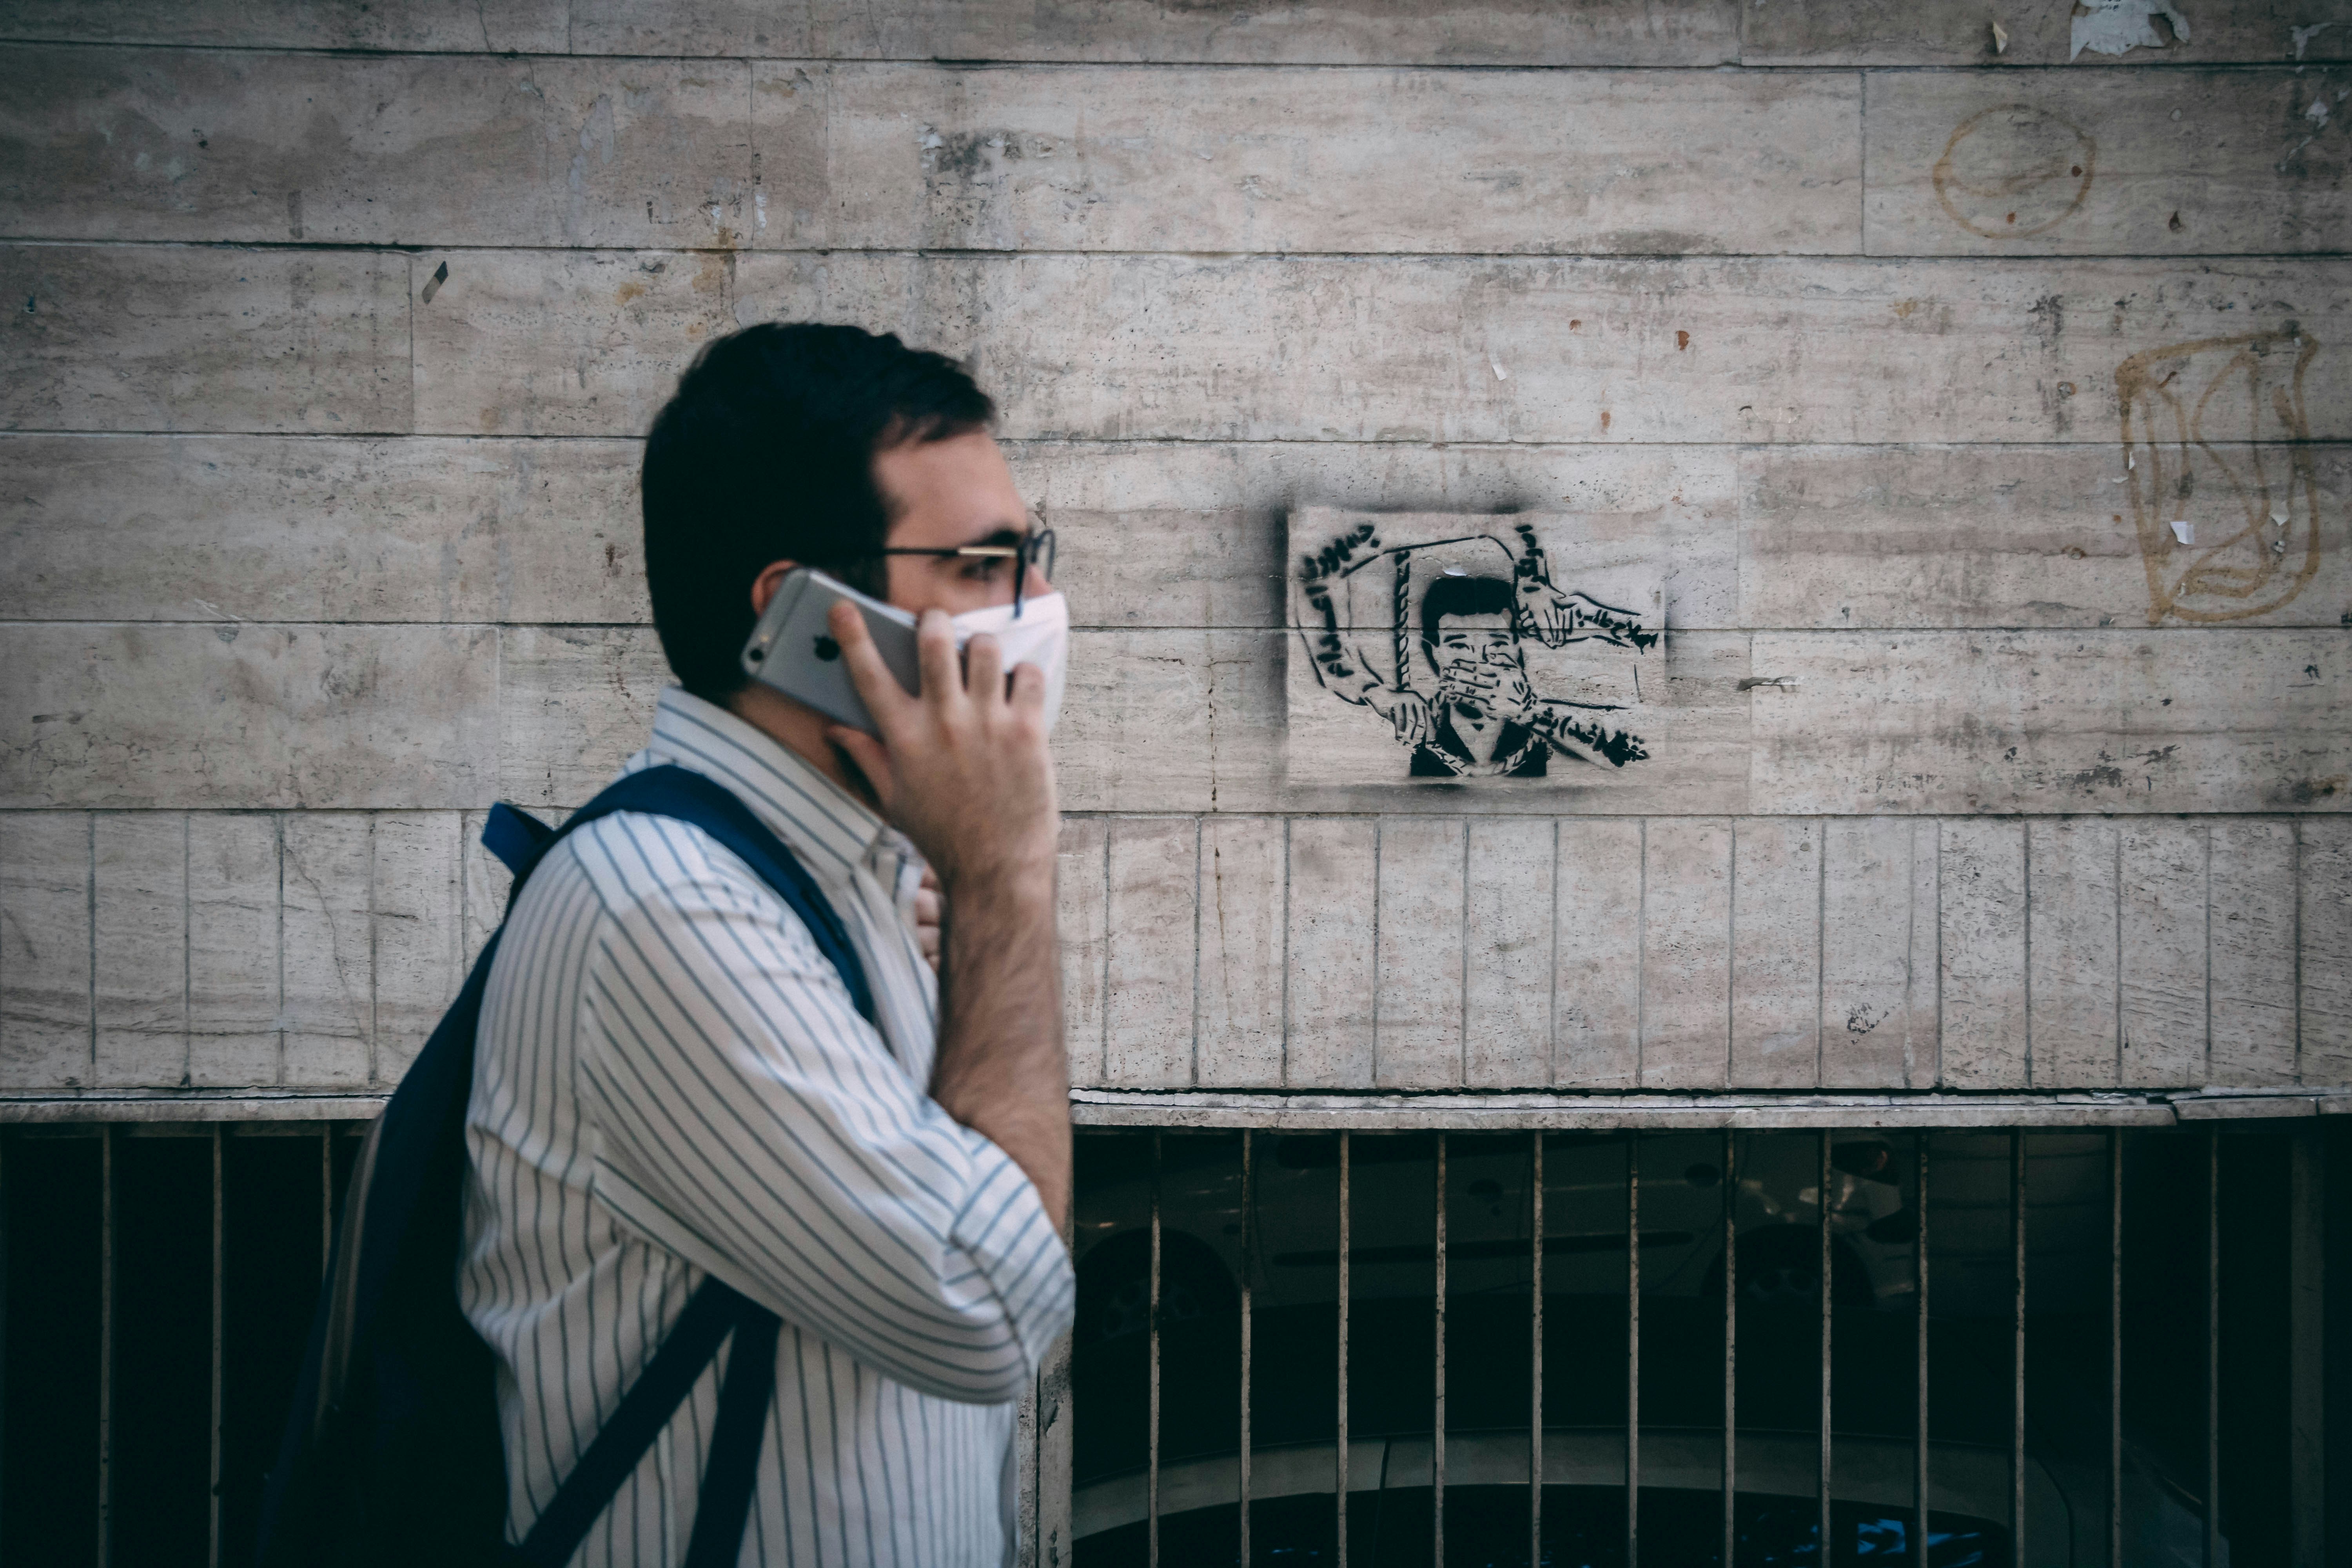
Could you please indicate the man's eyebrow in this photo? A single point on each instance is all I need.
(1005, 535)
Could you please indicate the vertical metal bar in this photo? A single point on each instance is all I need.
(1025, 1410)
(2212, 1347)
(2115, 1347)
(2306, 1348)
(212, 1532)
(105, 1343)
(4, 1324)
(1152, 1460)
(1438, 1417)
(1822, 1552)
(1919, 1437)
(2017, 1403)
(1731, 1345)
(1534, 1351)
(1054, 1409)
(1249, 1267)
(326, 1195)
(1633, 1350)
(1341, 1476)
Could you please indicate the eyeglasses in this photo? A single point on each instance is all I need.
(1034, 548)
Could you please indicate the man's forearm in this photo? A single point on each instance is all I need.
(1001, 1070)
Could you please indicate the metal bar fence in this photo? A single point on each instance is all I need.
(119, 1228)
(124, 1410)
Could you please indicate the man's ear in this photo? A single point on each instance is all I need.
(764, 586)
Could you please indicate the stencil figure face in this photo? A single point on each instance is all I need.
(1471, 645)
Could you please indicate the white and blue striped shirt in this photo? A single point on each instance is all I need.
(671, 1079)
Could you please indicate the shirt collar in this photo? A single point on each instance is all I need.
(828, 827)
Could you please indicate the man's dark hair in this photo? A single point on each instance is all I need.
(766, 453)
(1462, 596)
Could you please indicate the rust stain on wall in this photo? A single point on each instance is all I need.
(2215, 440)
(2015, 171)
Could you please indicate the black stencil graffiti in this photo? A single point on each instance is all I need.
(1451, 621)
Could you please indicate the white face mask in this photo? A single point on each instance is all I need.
(1040, 637)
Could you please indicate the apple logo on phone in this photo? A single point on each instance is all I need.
(826, 649)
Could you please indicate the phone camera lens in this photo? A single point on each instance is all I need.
(756, 655)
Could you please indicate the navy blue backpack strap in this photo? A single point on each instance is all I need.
(733, 1468)
(516, 837)
(684, 795)
(693, 1341)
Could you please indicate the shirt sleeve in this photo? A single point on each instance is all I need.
(753, 1123)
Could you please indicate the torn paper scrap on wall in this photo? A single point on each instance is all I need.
(2112, 27)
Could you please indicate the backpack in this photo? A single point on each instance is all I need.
(392, 1453)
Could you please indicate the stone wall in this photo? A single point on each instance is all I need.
(332, 329)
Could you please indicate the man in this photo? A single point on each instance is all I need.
(671, 1080)
(1487, 720)
(1469, 635)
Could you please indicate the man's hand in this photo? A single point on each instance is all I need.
(962, 769)
(1558, 619)
(1408, 710)
(1502, 691)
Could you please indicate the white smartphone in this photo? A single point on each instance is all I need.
(793, 649)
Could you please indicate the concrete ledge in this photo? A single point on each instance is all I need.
(2233, 1107)
(1512, 1112)
(23, 1111)
(1378, 1112)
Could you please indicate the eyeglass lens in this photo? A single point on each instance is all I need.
(1037, 549)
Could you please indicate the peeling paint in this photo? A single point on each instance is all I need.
(2116, 26)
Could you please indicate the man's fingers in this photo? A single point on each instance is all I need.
(983, 664)
(876, 687)
(1024, 689)
(927, 910)
(935, 653)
